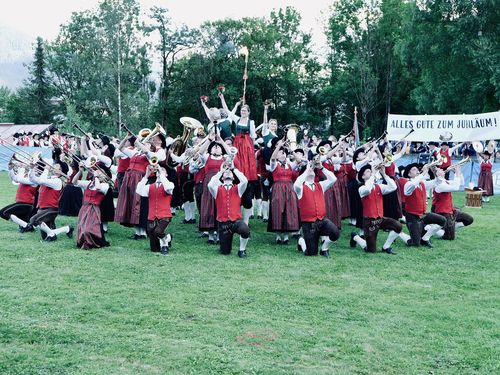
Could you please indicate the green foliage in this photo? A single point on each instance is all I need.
(5, 98)
(124, 310)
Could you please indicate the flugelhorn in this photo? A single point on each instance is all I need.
(229, 158)
(439, 160)
(461, 162)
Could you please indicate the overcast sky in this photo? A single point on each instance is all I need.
(43, 17)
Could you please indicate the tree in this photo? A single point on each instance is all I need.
(40, 86)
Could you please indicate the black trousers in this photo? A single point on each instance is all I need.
(198, 191)
(246, 198)
(417, 223)
(226, 231)
(372, 226)
(451, 219)
(22, 210)
(47, 216)
(312, 231)
(156, 230)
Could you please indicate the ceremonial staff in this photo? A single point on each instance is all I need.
(244, 52)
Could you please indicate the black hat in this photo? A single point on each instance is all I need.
(214, 143)
(361, 171)
(322, 143)
(487, 153)
(356, 154)
(408, 168)
(299, 150)
(446, 144)
(434, 144)
(64, 166)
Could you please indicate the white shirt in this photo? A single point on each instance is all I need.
(143, 186)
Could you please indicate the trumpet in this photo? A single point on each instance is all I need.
(153, 161)
(461, 162)
(440, 160)
(229, 158)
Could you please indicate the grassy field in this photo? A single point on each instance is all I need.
(124, 310)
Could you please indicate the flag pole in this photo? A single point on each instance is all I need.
(244, 52)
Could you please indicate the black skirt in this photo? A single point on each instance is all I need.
(107, 207)
(71, 201)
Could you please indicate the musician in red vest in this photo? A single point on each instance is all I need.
(48, 202)
(20, 211)
(158, 189)
(414, 188)
(90, 231)
(371, 193)
(442, 203)
(227, 187)
(312, 210)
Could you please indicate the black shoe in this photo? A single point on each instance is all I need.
(211, 242)
(389, 251)
(251, 216)
(296, 236)
(278, 241)
(325, 253)
(50, 238)
(259, 216)
(242, 254)
(106, 244)
(265, 220)
(164, 250)
(352, 242)
(426, 243)
(285, 242)
(70, 232)
(185, 221)
(192, 221)
(299, 248)
(27, 228)
(203, 234)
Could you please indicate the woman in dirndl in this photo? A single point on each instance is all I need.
(131, 208)
(284, 207)
(485, 181)
(212, 154)
(90, 233)
(245, 158)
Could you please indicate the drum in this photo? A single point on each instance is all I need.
(473, 198)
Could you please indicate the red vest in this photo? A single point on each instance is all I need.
(401, 183)
(391, 170)
(447, 163)
(415, 203)
(228, 204)
(442, 202)
(282, 174)
(48, 197)
(25, 194)
(159, 202)
(93, 196)
(373, 204)
(486, 166)
(312, 204)
(139, 163)
(213, 165)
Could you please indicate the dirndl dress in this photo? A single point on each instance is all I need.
(89, 232)
(284, 205)
(485, 181)
(208, 213)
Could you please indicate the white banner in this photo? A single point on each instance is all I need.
(461, 128)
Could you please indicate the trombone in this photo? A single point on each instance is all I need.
(461, 162)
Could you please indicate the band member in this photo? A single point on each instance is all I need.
(312, 210)
(485, 181)
(392, 201)
(48, 202)
(90, 233)
(219, 119)
(21, 211)
(245, 159)
(373, 213)
(131, 209)
(213, 158)
(446, 152)
(123, 160)
(414, 189)
(442, 203)
(227, 192)
(284, 216)
(158, 189)
(72, 196)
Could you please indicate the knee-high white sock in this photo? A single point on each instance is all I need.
(459, 224)
(361, 242)
(265, 210)
(439, 233)
(45, 228)
(326, 244)
(430, 230)
(211, 236)
(163, 241)
(285, 236)
(64, 229)
(137, 230)
(278, 237)
(302, 244)
(243, 243)
(192, 209)
(258, 203)
(247, 212)
(18, 221)
(168, 239)
(405, 237)
(187, 211)
(361, 232)
(105, 226)
(390, 239)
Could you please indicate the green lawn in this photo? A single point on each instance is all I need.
(124, 310)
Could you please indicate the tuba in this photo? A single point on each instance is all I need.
(149, 134)
(190, 125)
